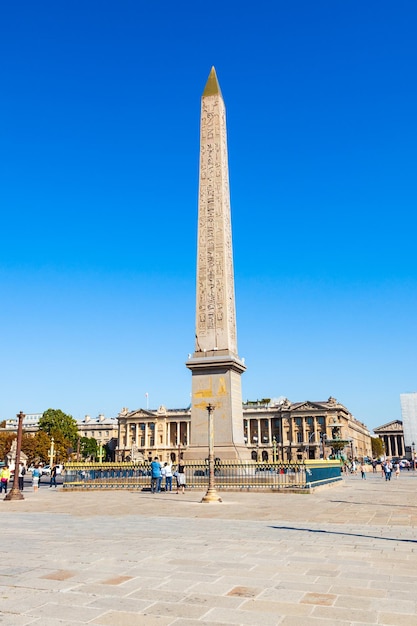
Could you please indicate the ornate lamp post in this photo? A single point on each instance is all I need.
(211, 495)
(15, 493)
(274, 445)
(323, 438)
(414, 455)
(52, 453)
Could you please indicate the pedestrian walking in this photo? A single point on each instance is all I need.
(388, 470)
(397, 470)
(363, 471)
(52, 481)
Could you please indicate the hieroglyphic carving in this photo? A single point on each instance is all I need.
(216, 318)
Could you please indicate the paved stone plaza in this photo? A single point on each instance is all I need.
(345, 555)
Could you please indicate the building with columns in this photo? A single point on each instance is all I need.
(284, 431)
(392, 434)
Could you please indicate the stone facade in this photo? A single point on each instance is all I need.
(105, 430)
(286, 431)
(392, 435)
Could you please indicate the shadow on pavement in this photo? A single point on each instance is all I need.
(335, 532)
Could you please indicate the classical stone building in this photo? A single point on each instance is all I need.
(392, 435)
(103, 429)
(284, 431)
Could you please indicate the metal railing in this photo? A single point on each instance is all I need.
(229, 475)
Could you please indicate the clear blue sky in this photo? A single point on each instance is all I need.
(99, 115)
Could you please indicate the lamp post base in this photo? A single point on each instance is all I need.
(211, 496)
(14, 494)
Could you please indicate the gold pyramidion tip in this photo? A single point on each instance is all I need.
(212, 87)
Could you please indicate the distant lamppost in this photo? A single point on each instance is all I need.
(323, 438)
(313, 434)
(256, 442)
(51, 453)
(15, 493)
(274, 445)
(414, 455)
(211, 495)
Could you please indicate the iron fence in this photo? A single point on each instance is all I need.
(229, 475)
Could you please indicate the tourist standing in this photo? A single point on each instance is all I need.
(363, 471)
(54, 471)
(397, 470)
(4, 478)
(167, 469)
(181, 477)
(36, 474)
(156, 476)
(21, 475)
(388, 470)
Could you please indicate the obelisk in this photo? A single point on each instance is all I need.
(215, 365)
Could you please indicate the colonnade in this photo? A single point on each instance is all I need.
(149, 435)
(394, 445)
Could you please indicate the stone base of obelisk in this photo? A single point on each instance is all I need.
(224, 453)
(216, 381)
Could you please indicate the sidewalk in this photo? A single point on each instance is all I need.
(346, 555)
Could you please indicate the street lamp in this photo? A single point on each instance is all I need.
(308, 443)
(211, 495)
(414, 456)
(51, 453)
(274, 444)
(15, 493)
(323, 438)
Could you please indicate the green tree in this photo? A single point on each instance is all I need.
(59, 425)
(378, 447)
(88, 447)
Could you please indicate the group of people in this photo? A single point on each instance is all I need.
(5, 475)
(387, 468)
(161, 472)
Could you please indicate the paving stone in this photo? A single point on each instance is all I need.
(122, 618)
(236, 616)
(394, 619)
(346, 558)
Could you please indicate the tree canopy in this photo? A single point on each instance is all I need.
(59, 425)
(6, 440)
(88, 447)
(36, 447)
(377, 447)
